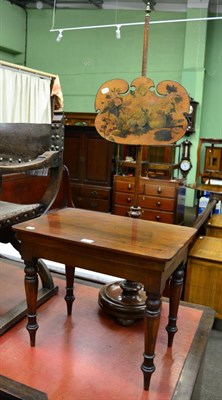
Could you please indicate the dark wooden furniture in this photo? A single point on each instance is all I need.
(32, 186)
(12, 390)
(26, 149)
(160, 200)
(209, 169)
(134, 249)
(89, 159)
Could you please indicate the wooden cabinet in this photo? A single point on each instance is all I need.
(204, 274)
(89, 159)
(160, 200)
(212, 168)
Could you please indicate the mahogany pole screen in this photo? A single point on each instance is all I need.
(140, 113)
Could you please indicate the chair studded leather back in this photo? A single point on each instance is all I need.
(30, 149)
(24, 142)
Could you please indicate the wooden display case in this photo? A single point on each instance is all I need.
(158, 162)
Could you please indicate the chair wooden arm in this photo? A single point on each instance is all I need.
(45, 160)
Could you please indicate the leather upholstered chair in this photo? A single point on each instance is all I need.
(26, 149)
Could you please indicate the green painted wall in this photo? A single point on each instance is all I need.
(211, 121)
(12, 33)
(87, 58)
(190, 53)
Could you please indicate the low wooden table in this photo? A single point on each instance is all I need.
(143, 251)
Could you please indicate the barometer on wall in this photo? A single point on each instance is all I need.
(185, 163)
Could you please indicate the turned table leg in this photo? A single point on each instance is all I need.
(31, 290)
(152, 320)
(69, 297)
(176, 286)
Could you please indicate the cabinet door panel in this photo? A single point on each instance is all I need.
(97, 161)
(89, 159)
(72, 156)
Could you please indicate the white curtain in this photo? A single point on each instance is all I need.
(24, 97)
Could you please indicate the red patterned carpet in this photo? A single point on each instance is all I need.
(89, 356)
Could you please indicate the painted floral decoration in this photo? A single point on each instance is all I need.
(141, 114)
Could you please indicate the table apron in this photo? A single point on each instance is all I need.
(151, 273)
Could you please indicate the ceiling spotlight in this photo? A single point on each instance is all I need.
(39, 4)
(118, 33)
(60, 36)
(150, 3)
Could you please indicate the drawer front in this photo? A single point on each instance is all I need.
(128, 187)
(150, 215)
(91, 198)
(158, 216)
(160, 190)
(157, 203)
(91, 191)
(124, 199)
(91, 204)
(96, 193)
(121, 210)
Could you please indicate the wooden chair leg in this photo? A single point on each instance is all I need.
(48, 289)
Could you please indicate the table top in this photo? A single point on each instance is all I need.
(217, 189)
(215, 221)
(119, 234)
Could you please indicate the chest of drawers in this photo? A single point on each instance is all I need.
(160, 200)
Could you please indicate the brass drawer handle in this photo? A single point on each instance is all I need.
(157, 217)
(94, 193)
(159, 190)
(94, 205)
(158, 203)
(129, 186)
(128, 199)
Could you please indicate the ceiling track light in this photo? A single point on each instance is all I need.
(118, 26)
(60, 36)
(39, 5)
(118, 33)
